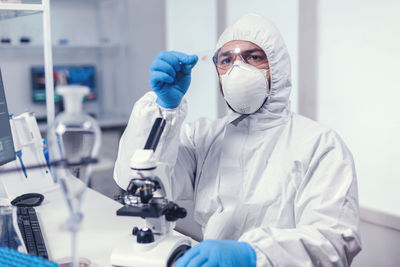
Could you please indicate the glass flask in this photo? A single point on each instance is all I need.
(74, 137)
(9, 236)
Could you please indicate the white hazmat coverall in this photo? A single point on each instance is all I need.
(277, 180)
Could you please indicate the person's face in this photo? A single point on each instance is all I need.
(246, 51)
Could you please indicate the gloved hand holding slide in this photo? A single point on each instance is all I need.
(170, 75)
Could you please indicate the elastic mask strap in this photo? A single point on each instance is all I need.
(239, 119)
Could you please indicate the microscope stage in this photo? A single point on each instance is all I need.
(148, 211)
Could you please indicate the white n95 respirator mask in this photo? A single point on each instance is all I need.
(245, 87)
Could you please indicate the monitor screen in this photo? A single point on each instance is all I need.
(63, 75)
(7, 152)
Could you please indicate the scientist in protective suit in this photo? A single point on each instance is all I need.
(269, 187)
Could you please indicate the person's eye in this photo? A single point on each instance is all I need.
(254, 58)
(225, 61)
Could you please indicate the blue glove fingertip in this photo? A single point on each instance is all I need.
(190, 63)
(184, 58)
(193, 59)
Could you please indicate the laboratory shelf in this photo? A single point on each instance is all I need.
(58, 47)
(9, 14)
(21, 7)
(15, 8)
(105, 46)
(12, 10)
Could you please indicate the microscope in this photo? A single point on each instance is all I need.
(146, 197)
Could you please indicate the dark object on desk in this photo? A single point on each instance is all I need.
(63, 41)
(24, 40)
(6, 40)
(28, 224)
(28, 200)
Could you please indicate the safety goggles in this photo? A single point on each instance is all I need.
(225, 59)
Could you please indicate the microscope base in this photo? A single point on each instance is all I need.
(162, 252)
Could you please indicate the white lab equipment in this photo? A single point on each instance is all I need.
(146, 197)
(74, 137)
(28, 142)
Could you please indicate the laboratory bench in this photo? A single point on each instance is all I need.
(101, 230)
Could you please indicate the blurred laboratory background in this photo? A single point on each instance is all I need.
(345, 68)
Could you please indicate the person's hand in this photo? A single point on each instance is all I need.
(170, 77)
(222, 253)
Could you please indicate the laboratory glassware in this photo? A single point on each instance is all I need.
(9, 236)
(74, 137)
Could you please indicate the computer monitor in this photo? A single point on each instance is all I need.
(63, 75)
(7, 152)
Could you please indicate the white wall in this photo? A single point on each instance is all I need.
(192, 28)
(285, 15)
(359, 91)
(145, 34)
(380, 246)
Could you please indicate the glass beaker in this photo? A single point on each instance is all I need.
(9, 236)
(74, 138)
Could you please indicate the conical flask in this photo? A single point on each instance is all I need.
(9, 236)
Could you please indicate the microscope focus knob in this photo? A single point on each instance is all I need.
(135, 230)
(144, 235)
(174, 212)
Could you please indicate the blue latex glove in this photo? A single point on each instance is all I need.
(170, 77)
(219, 253)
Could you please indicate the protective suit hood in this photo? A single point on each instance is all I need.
(256, 29)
